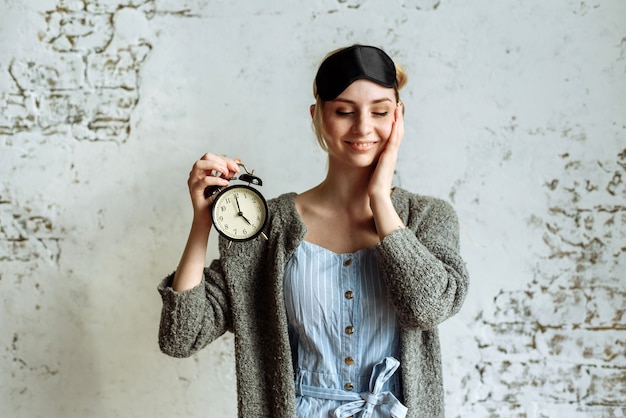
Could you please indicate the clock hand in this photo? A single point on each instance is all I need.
(240, 212)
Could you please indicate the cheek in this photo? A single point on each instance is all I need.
(384, 129)
(333, 127)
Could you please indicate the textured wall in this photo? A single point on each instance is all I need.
(515, 113)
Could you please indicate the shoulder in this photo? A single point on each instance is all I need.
(282, 201)
(284, 220)
(282, 208)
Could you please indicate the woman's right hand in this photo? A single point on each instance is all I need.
(209, 170)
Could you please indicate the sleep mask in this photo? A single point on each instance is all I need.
(343, 68)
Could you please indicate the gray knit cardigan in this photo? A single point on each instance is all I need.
(242, 292)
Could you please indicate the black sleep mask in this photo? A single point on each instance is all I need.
(343, 68)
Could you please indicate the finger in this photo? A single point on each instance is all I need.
(214, 165)
(389, 156)
(209, 170)
(197, 187)
(210, 186)
(397, 130)
(233, 166)
(211, 162)
(210, 173)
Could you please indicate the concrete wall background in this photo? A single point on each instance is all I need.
(515, 113)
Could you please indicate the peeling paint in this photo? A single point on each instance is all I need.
(89, 88)
(561, 340)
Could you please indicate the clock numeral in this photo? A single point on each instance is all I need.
(245, 232)
(223, 208)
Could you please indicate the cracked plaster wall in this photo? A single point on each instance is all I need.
(515, 113)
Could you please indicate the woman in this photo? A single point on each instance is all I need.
(336, 313)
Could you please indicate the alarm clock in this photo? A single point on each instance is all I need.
(239, 212)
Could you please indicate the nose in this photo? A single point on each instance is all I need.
(362, 124)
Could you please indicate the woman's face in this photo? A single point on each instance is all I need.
(358, 122)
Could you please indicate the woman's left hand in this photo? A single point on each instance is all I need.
(382, 177)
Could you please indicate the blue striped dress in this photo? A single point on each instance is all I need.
(344, 334)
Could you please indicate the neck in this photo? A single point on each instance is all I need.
(346, 189)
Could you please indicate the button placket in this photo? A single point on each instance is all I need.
(349, 339)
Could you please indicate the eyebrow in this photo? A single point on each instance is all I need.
(385, 99)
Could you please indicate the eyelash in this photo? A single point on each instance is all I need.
(379, 114)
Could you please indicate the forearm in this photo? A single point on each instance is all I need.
(386, 218)
(191, 267)
(192, 319)
(426, 276)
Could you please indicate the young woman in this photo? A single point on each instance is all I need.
(336, 313)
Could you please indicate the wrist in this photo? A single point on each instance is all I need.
(201, 221)
(381, 201)
(199, 232)
(385, 217)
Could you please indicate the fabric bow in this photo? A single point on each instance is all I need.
(381, 373)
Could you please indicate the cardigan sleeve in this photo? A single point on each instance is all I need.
(425, 274)
(193, 318)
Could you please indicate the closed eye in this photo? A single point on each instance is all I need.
(381, 114)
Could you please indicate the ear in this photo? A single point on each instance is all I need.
(312, 110)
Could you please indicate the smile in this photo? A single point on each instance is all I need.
(361, 146)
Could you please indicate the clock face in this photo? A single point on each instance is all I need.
(239, 213)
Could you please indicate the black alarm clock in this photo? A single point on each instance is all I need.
(239, 212)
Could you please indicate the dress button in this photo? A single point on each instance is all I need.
(347, 262)
(349, 330)
(349, 294)
(348, 386)
(349, 361)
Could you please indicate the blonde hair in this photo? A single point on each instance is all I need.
(318, 126)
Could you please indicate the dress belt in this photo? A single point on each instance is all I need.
(362, 402)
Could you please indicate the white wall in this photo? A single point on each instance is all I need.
(515, 112)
